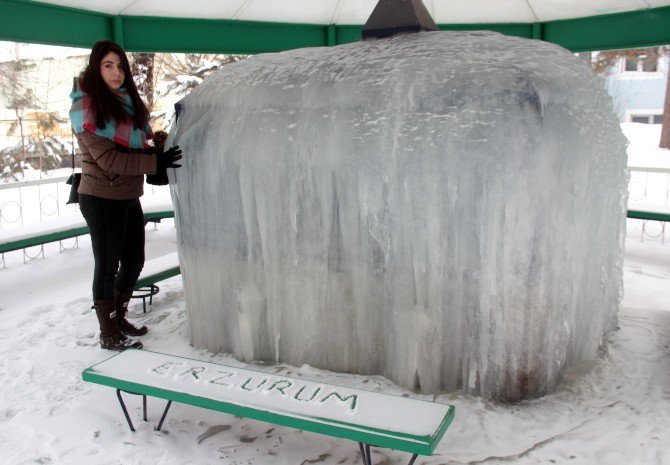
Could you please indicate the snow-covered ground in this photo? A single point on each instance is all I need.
(616, 412)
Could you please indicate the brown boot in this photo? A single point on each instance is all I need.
(121, 300)
(111, 337)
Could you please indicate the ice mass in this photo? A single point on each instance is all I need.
(445, 209)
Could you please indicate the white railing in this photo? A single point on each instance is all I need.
(30, 202)
(648, 187)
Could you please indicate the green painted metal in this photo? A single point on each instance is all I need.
(347, 34)
(332, 36)
(646, 215)
(155, 278)
(26, 21)
(537, 31)
(117, 30)
(424, 445)
(40, 239)
(152, 216)
(43, 239)
(643, 28)
(218, 36)
(29, 21)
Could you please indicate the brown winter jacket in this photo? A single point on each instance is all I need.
(111, 171)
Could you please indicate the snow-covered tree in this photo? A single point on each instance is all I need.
(181, 73)
(35, 148)
(142, 68)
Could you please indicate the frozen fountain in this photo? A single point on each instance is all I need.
(445, 209)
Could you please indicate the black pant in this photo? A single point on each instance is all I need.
(117, 236)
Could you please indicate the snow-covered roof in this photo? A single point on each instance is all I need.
(357, 11)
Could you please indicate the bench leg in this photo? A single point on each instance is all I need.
(160, 423)
(125, 410)
(148, 292)
(367, 458)
(360, 446)
(27, 257)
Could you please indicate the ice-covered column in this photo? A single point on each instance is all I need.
(445, 209)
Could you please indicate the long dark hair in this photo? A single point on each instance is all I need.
(107, 105)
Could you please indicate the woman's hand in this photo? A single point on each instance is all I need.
(168, 158)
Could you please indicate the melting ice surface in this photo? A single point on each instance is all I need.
(445, 209)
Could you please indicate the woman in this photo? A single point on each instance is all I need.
(110, 122)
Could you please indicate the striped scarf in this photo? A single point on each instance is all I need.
(82, 116)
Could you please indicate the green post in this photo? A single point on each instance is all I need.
(117, 30)
(332, 36)
(537, 31)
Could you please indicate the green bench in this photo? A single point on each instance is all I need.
(643, 211)
(157, 216)
(366, 417)
(55, 230)
(649, 212)
(40, 234)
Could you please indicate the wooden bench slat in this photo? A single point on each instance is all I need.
(383, 420)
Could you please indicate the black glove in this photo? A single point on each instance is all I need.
(164, 160)
(168, 158)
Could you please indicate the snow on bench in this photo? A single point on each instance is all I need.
(42, 233)
(650, 212)
(155, 270)
(155, 209)
(645, 211)
(369, 418)
(65, 228)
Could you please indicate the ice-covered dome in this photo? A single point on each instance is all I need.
(445, 209)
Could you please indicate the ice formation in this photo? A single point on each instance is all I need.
(445, 209)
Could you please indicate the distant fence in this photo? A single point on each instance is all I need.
(649, 187)
(31, 202)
